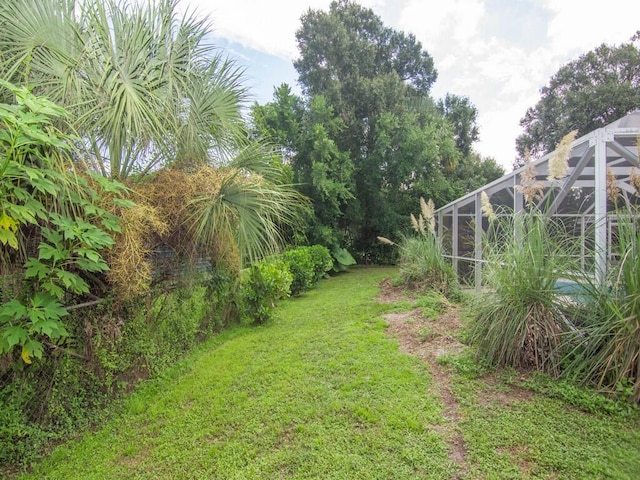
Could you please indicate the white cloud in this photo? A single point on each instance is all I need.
(267, 26)
(479, 52)
(579, 25)
(455, 20)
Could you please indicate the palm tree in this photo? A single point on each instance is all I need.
(145, 90)
(143, 86)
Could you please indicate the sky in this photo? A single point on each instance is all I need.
(499, 53)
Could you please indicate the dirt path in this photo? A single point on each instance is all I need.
(428, 339)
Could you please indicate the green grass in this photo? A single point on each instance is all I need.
(322, 392)
(542, 437)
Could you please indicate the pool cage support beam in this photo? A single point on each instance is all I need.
(478, 243)
(600, 207)
(454, 239)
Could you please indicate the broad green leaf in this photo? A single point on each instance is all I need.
(49, 252)
(48, 305)
(15, 335)
(8, 223)
(92, 265)
(51, 328)
(22, 213)
(26, 356)
(124, 203)
(52, 236)
(112, 223)
(12, 310)
(7, 237)
(71, 281)
(53, 289)
(34, 347)
(36, 269)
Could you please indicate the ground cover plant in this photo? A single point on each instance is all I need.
(322, 391)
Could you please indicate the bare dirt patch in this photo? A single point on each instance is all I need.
(428, 339)
(392, 294)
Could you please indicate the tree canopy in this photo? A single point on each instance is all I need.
(366, 140)
(585, 94)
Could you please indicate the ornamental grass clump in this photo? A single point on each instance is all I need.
(422, 262)
(520, 322)
(608, 354)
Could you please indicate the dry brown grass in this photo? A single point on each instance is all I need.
(162, 216)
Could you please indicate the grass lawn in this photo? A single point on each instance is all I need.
(323, 391)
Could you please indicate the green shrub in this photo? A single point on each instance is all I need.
(302, 268)
(223, 292)
(322, 261)
(264, 284)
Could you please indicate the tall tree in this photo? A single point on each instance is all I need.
(375, 79)
(588, 93)
(322, 172)
(463, 116)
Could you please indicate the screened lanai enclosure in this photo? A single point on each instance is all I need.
(578, 201)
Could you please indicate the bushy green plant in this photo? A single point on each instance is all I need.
(520, 321)
(223, 290)
(322, 261)
(47, 205)
(342, 259)
(302, 268)
(307, 265)
(265, 283)
(608, 352)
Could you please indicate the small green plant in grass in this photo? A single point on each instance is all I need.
(464, 364)
(426, 333)
(432, 304)
(585, 399)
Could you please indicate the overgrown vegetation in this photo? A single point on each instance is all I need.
(520, 322)
(422, 263)
(607, 354)
(527, 321)
(52, 228)
(366, 139)
(323, 391)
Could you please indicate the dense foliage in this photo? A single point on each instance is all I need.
(366, 140)
(151, 104)
(143, 87)
(590, 92)
(52, 226)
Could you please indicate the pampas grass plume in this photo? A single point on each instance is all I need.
(558, 165)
